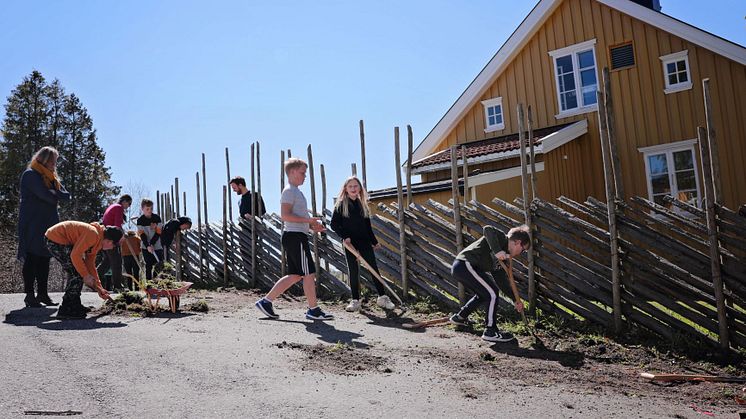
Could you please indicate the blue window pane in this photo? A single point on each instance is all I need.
(681, 65)
(564, 65)
(567, 82)
(498, 110)
(589, 95)
(499, 119)
(588, 78)
(569, 100)
(671, 67)
(683, 160)
(683, 77)
(672, 79)
(585, 59)
(492, 121)
(490, 111)
(658, 164)
(661, 184)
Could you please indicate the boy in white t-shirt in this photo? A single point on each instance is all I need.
(300, 264)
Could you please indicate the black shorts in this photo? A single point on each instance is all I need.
(298, 258)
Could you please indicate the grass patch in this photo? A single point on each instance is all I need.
(200, 306)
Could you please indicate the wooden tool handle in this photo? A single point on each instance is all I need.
(513, 285)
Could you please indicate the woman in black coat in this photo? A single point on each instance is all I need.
(41, 191)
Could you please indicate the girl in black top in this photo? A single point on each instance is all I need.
(351, 220)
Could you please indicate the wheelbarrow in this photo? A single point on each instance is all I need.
(173, 296)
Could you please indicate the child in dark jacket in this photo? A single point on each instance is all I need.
(351, 220)
(150, 228)
(471, 267)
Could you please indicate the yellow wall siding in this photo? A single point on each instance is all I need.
(644, 114)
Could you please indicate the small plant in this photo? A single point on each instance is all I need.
(339, 347)
(200, 306)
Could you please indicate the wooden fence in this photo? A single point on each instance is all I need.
(665, 268)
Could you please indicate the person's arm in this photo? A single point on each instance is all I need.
(63, 194)
(286, 213)
(84, 266)
(143, 237)
(264, 209)
(118, 214)
(34, 183)
(373, 239)
(244, 207)
(338, 226)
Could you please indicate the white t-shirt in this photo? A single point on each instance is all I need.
(293, 196)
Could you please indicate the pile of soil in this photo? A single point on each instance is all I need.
(339, 359)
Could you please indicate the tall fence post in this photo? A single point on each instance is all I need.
(530, 119)
(258, 206)
(362, 155)
(525, 183)
(616, 165)
(409, 165)
(353, 168)
(713, 145)
(282, 188)
(158, 203)
(712, 237)
(253, 215)
(313, 210)
(226, 278)
(199, 229)
(204, 191)
(465, 172)
(457, 214)
(178, 233)
(228, 179)
(323, 204)
(400, 214)
(616, 289)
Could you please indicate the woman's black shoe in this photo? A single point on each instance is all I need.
(31, 302)
(46, 301)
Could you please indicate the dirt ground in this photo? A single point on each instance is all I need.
(231, 363)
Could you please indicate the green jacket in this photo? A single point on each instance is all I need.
(481, 253)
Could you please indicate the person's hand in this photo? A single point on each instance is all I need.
(103, 293)
(519, 306)
(151, 249)
(317, 227)
(90, 281)
(348, 240)
(53, 192)
(501, 255)
(247, 216)
(377, 246)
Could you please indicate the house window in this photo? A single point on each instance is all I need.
(676, 71)
(671, 170)
(576, 78)
(493, 114)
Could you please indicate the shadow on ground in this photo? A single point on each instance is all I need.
(570, 359)
(326, 332)
(43, 319)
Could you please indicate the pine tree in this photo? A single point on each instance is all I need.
(39, 114)
(26, 115)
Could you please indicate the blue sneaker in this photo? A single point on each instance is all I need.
(317, 314)
(265, 306)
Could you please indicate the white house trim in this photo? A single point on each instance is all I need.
(499, 175)
(548, 143)
(528, 28)
(571, 49)
(486, 104)
(676, 57)
(660, 148)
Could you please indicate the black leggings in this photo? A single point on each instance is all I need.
(132, 268)
(484, 285)
(366, 251)
(35, 269)
(151, 261)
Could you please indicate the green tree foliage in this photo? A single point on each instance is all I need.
(38, 114)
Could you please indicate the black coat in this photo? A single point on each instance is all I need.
(37, 212)
(356, 227)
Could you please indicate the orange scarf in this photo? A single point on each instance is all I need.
(50, 177)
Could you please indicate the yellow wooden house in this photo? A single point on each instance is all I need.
(553, 62)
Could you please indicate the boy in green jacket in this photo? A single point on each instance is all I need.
(471, 267)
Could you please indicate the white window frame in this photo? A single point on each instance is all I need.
(672, 58)
(669, 149)
(497, 101)
(572, 50)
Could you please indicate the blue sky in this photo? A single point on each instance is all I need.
(167, 80)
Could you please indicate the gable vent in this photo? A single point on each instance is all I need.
(622, 56)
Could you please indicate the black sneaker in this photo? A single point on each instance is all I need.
(66, 312)
(491, 334)
(265, 306)
(460, 321)
(318, 314)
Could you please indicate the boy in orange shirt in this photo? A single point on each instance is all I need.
(75, 245)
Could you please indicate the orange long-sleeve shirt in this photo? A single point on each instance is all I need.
(86, 242)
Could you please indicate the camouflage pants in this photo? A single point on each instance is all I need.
(74, 280)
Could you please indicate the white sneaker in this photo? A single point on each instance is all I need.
(385, 302)
(353, 306)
